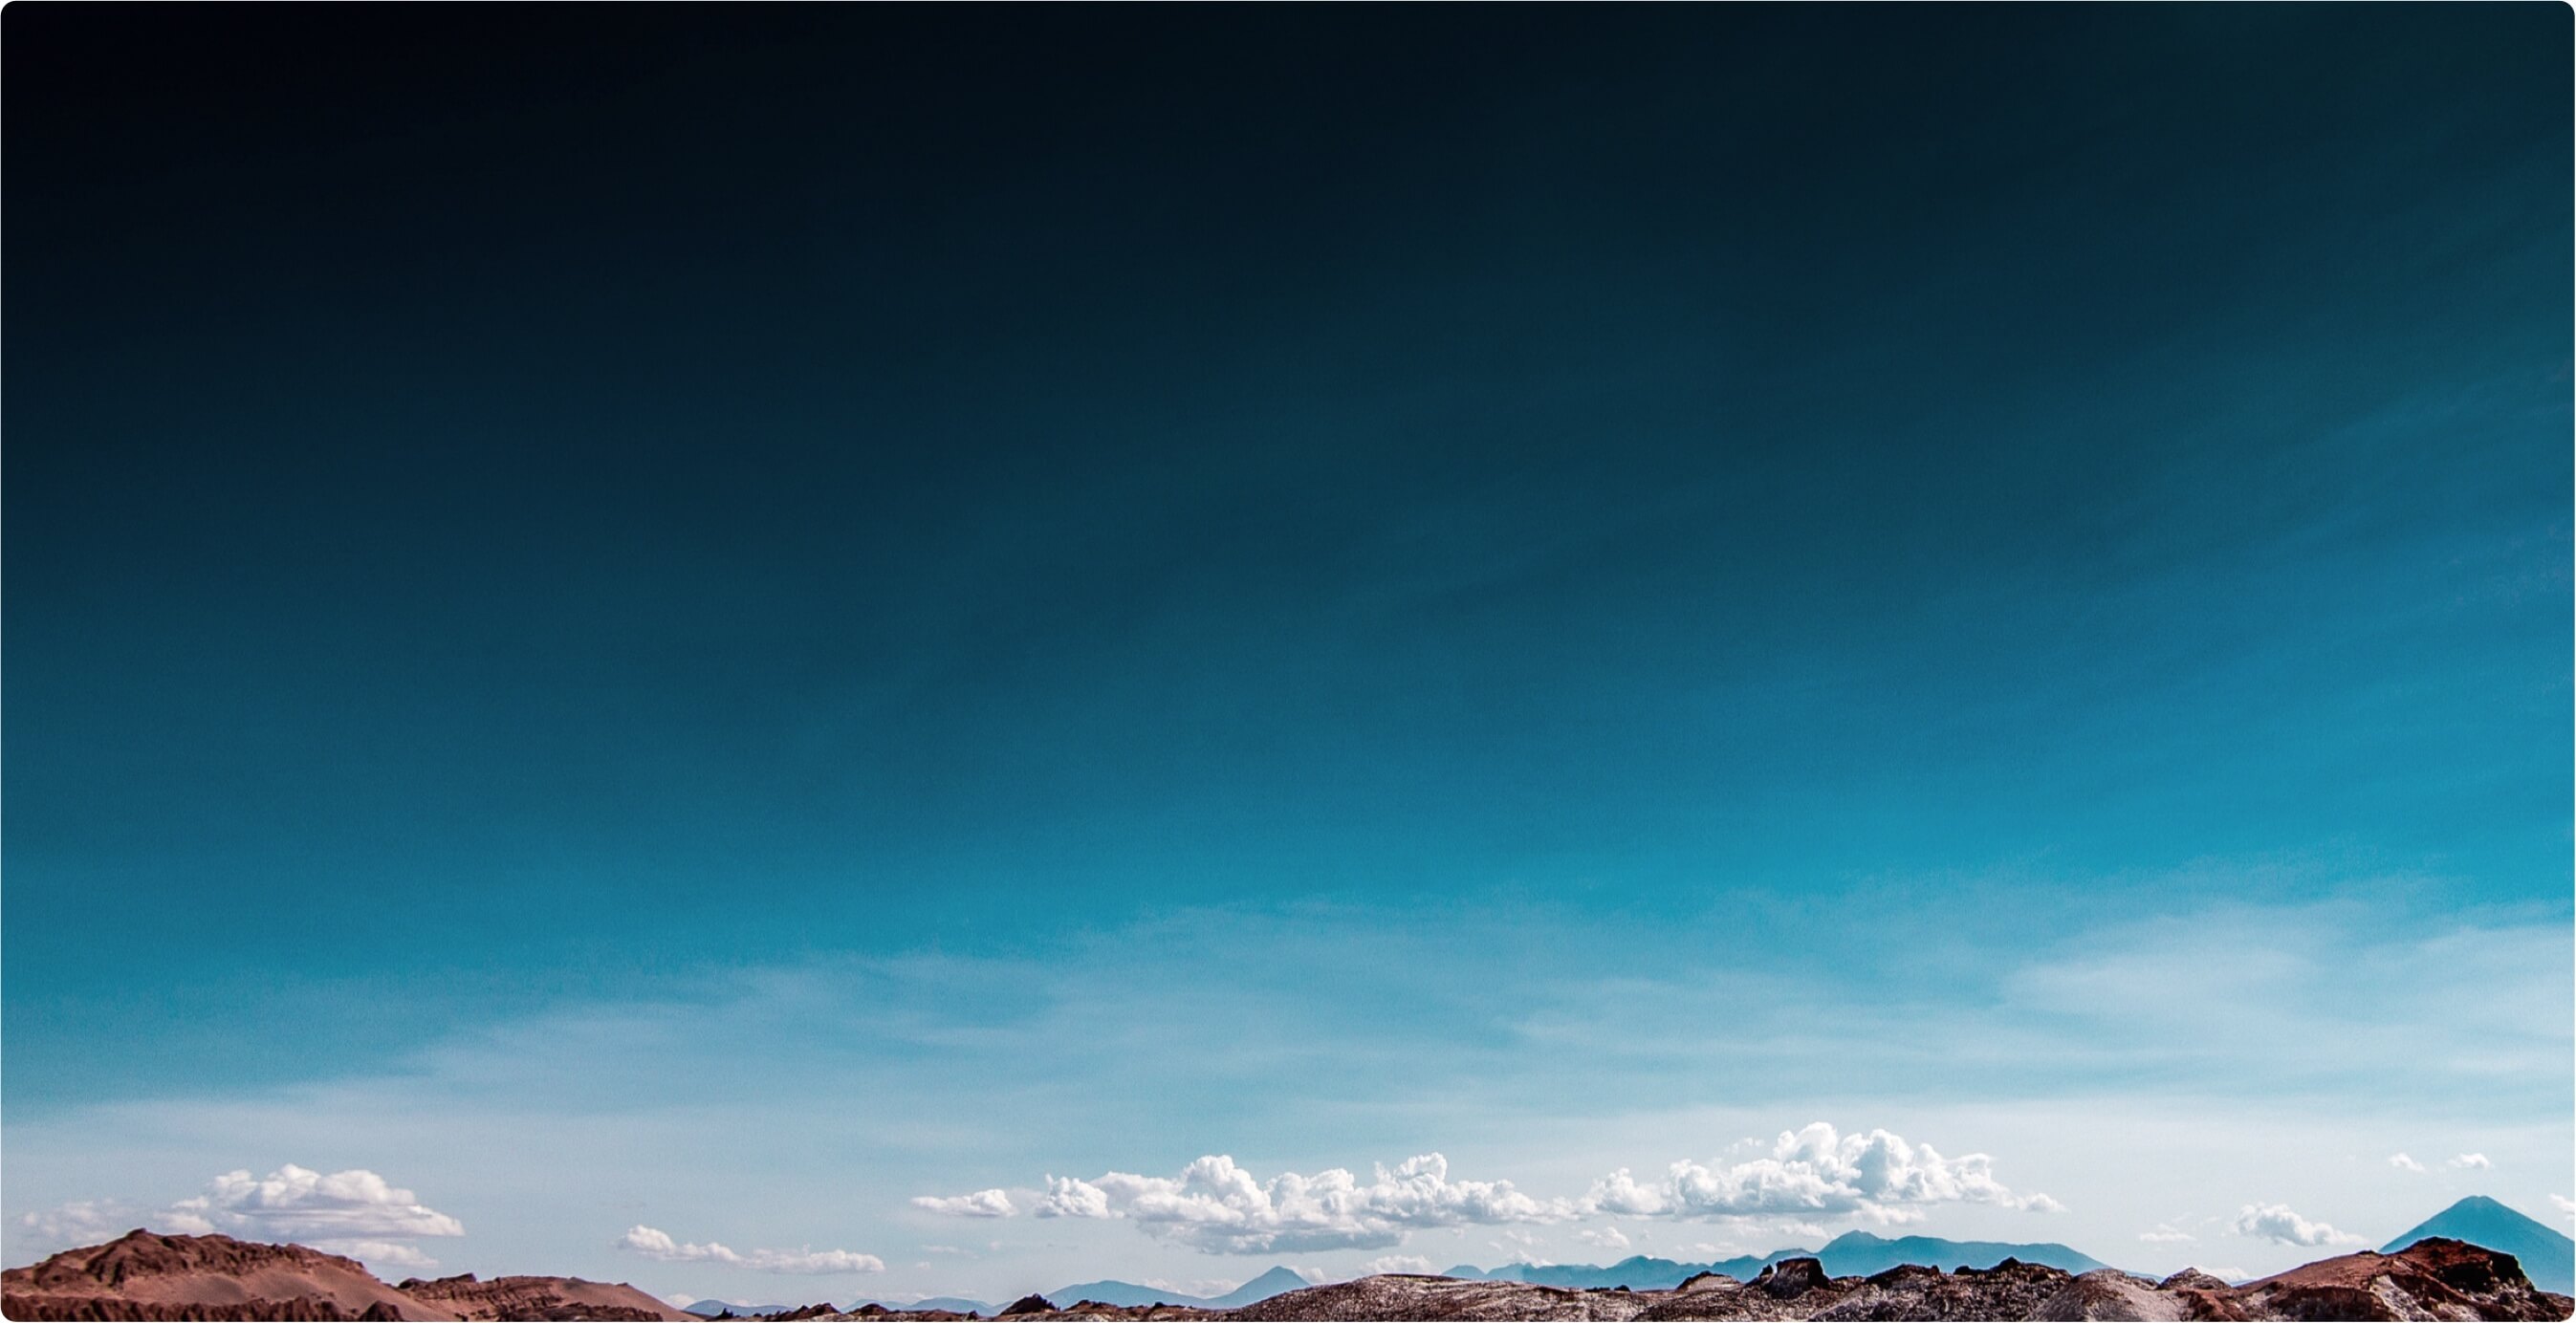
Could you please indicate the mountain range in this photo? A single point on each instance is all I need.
(1114, 1292)
(1852, 1254)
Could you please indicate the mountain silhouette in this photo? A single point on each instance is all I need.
(1114, 1292)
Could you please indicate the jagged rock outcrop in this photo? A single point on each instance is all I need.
(2433, 1278)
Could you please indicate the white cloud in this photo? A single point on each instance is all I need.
(1217, 1207)
(83, 1222)
(355, 1213)
(654, 1243)
(1521, 1246)
(1412, 1263)
(982, 1203)
(292, 1203)
(2166, 1234)
(2404, 1163)
(1605, 1237)
(2469, 1160)
(380, 1254)
(2276, 1222)
(2565, 1204)
(1877, 1176)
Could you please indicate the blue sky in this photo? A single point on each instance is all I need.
(833, 626)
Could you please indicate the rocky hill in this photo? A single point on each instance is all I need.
(143, 1276)
(540, 1298)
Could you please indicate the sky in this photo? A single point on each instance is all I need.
(865, 653)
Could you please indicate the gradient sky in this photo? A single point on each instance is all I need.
(716, 622)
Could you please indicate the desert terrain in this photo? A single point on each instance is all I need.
(145, 1276)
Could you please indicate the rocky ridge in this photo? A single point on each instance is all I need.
(2433, 1279)
(541, 1300)
(143, 1276)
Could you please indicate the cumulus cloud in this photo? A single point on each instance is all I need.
(1217, 1207)
(2471, 1160)
(292, 1203)
(2276, 1222)
(1412, 1263)
(1605, 1237)
(2404, 1163)
(2165, 1234)
(2565, 1204)
(982, 1203)
(1877, 1176)
(356, 1213)
(654, 1243)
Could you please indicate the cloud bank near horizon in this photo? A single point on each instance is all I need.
(654, 1243)
(1216, 1207)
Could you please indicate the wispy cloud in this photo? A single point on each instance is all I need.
(2276, 1222)
(653, 1243)
(2470, 1162)
(82, 1222)
(2166, 1234)
(2404, 1163)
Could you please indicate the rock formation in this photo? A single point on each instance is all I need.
(143, 1276)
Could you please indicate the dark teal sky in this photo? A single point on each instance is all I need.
(536, 515)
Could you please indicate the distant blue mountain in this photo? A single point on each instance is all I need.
(711, 1308)
(1115, 1292)
(1637, 1272)
(2548, 1258)
(1859, 1254)
(1852, 1254)
(953, 1303)
(1277, 1281)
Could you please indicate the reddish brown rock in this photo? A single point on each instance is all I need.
(542, 1300)
(144, 1276)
